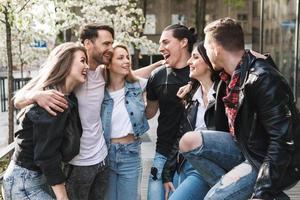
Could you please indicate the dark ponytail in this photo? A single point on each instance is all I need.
(180, 32)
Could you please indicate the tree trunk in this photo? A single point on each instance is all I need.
(200, 18)
(9, 80)
(136, 59)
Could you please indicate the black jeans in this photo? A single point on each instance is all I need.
(86, 182)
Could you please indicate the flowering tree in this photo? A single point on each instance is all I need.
(123, 15)
(22, 22)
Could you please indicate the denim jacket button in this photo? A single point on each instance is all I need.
(131, 113)
(126, 102)
(134, 124)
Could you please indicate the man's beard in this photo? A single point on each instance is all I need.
(101, 59)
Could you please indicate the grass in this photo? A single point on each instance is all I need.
(3, 165)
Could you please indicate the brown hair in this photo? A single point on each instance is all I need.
(227, 32)
(57, 67)
(130, 77)
(55, 70)
(90, 31)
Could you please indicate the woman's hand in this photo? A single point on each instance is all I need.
(169, 187)
(184, 90)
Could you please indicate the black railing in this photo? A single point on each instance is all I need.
(17, 84)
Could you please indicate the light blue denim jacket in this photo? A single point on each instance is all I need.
(135, 107)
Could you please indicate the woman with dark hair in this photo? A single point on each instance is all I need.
(39, 150)
(176, 44)
(198, 115)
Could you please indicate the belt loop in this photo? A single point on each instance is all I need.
(102, 163)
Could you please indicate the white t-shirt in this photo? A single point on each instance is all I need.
(90, 95)
(200, 123)
(120, 121)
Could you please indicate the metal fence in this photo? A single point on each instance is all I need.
(17, 84)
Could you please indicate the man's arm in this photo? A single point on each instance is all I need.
(275, 116)
(151, 108)
(146, 71)
(51, 100)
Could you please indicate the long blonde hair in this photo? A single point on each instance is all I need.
(54, 71)
(129, 77)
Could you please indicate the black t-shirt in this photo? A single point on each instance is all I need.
(163, 86)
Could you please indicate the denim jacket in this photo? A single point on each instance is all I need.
(135, 107)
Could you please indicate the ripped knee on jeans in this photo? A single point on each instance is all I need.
(190, 141)
(235, 175)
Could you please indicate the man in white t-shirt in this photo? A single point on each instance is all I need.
(86, 173)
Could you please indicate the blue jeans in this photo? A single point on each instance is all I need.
(191, 185)
(221, 163)
(125, 171)
(156, 189)
(21, 183)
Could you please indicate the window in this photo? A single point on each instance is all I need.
(150, 25)
(178, 19)
(242, 17)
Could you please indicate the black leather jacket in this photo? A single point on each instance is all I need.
(187, 123)
(45, 140)
(267, 126)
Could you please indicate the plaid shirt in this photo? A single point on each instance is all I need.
(231, 99)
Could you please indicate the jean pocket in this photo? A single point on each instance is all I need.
(33, 174)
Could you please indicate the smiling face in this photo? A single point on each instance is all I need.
(171, 48)
(198, 67)
(79, 68)
(100, 49)
(120, 63)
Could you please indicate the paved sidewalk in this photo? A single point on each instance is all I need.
(148, 151)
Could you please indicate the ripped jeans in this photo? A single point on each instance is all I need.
(221, 163)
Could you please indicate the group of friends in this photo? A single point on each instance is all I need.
(228, 126)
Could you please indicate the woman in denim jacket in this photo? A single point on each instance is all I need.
(39, 143)
(124, 121)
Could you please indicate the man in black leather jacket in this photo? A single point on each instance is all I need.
(261, 113)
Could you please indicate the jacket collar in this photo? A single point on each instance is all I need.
(248, 61)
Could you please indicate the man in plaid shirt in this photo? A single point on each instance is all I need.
(259, 155)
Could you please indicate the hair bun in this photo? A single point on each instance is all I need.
(192, 30)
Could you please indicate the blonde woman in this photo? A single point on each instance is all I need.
(124, 121)
(36, 162)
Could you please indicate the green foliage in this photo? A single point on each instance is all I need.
(3, 165)
(235, 3)
(179, 1)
